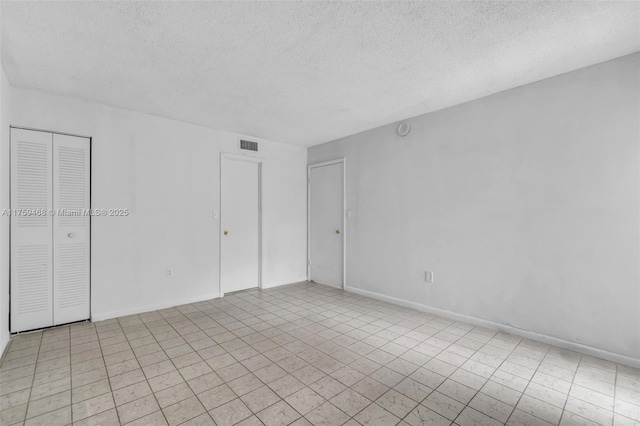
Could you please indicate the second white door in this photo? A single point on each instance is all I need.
(326, 233)
(240, 224)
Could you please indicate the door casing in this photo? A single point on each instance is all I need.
(342, 161)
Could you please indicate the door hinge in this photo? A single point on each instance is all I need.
(309, 262)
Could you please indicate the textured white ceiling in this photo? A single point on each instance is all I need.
(300, 72)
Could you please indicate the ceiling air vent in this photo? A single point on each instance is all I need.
(248, 145)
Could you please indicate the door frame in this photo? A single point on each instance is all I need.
(343, 161)
(11, 165)
(260, 162)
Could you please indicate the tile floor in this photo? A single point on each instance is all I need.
(304, 354)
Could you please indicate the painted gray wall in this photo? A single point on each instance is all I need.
(523, 203)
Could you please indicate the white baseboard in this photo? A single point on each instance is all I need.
(146, 308)
(280, 283)
(532, 335)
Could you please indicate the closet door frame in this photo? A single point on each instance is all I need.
(11, 165)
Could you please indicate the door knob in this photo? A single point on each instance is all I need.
(337, 231)
(71, 234)
(226, 232)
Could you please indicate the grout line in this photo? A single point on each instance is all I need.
(525, 389)
(143, 373)
(104, 361)
(33, 378)
(569, 393)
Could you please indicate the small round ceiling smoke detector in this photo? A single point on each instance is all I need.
(403, 129)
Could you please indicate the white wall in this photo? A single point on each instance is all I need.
(524, 204)
(5, 120)
(168, 174)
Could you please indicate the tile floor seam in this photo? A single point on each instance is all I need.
(115, 406)
(143, 373)
(185, 381)
(573, 378)
(515, 407)
(34, 378)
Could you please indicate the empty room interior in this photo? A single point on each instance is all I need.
(320, 213)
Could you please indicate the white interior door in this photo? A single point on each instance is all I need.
(71, 237)
(31, 230)
(240, 224)
(326, 214)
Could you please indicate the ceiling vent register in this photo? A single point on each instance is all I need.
(248, 145)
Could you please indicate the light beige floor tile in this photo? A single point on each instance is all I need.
(350, 402)
(153, 419)
(14, 399)
(182, 411)
(327, 387)
(165, 381)
(278, 414)
(137, 409)
(50, 403)
(59, 417)
(270, 373)
(131, 393)
(286, 385)
(457, 391)
(216, 397)
(376, 415)
(230, 413)
(543, 410)
(206, 382)
(491, 407)
(203, 420)
(106, 418)
(126, 379)
(245, 384)
(304, 400)
(370, 388)
(520, 418)
(326, 415)
(93, 406)
(396, 403)
(422, 416)
(173, 395)
(14, 414)
(260, 399)
(443, 405)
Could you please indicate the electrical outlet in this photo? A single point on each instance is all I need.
(428, 276)
(169, 273)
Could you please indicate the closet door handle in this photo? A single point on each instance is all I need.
(71, 235)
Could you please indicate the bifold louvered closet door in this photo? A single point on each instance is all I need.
(50, 199)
